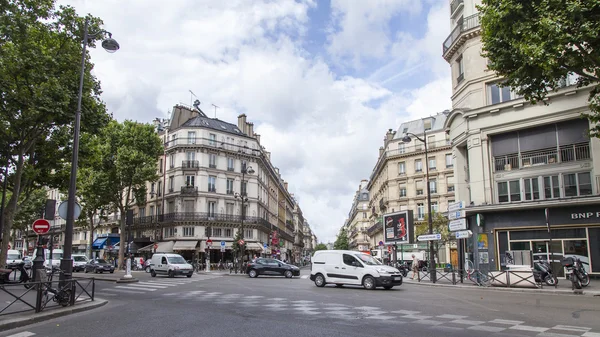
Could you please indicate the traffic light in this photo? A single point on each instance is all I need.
(208, 231)
(50, 209)
(129, 218)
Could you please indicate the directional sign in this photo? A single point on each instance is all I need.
(463, 234)
(222, 249)
(265, 246)
(208, 242)
(41, 226)
(456, 215)
(429, 237)
(381, 243)
(222, 243)
(457, 225)
(456, 206)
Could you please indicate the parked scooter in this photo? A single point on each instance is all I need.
(542, 272)
(403, 268)
(576, 273)
(23, 275)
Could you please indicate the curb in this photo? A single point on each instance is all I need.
(127, 280)
(44, 316)
(99, 278)
(518, 290)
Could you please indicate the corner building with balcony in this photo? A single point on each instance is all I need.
(513, 160)
(198, 196)
(358, 220)
(398, 181)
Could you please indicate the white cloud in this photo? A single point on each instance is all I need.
(323, 129)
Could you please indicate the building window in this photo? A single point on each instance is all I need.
(172, 160)
(402, 168)
(218, 232)
(500, 94)
(432, 163)
(212, 208)
(159, 192)
(432, 186)
(450, 183)
(188, 231)
(403, 191)
(191, 137)
(160, 168)
(151, 210)
(577, 184)
(230, 164)
(427, 124)
(228, 233)
(142, 212)
(551, 187)
(189, 180)
(532, 188)
(229, 209)
(174, 139)
(461, 70)
(418, 165)
(212, 160)
(170, 232)
(249, 234)
(229, 186)
(401, 148)
(509, 191)
(364, 215)
(449, 163)
(171, 183)
(420, 211)
(212, 183)
(419, 187)
(191, 155)
(434, 207)
(212, 139)
(431, 142)
(152, 189)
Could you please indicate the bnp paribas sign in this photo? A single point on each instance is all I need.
(585, 215)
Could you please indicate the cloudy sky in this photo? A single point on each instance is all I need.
(321, 80)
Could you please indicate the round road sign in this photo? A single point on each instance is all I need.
(41, 226)
(208, 242)
(241, 242)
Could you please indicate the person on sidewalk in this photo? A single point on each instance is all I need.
(414, 266)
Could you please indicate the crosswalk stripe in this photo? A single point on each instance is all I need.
(23, 334)
(136, 288)
(163, 284)
(125, 291)
(158, 286)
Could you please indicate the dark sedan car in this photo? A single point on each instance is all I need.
(99, 266)
(264, 266)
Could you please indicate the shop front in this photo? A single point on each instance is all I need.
(575, 231)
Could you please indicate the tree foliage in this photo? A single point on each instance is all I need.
(536, 44)
(320, 246)
(342, 241)
(127, 159)
(40, 57)
(440, 226)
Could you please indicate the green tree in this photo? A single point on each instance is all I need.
(128, 154)
(341, 241)
(321, 246)
(440, 226)
(536, 44)
(40, 53)
(28, 210)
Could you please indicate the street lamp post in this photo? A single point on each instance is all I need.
(407, 139)
(243, 196)
(111, 46)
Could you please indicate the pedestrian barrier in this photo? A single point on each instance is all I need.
(508, 278)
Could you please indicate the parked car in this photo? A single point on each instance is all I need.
(28, 260)
(341, 267)
(266, 266)
(170, 265)
(79, 262)
(99, 266)
(13, 258)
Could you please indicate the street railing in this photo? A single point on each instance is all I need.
(501, 278)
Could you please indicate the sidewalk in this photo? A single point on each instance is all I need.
(564, 286)
(118, 274)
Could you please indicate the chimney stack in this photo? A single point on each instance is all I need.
(380, 151)
(250, 129)
(242, 123)
(257, 136)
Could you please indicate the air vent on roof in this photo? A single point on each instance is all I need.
(205, 123)
(238, 131)
(223, 127)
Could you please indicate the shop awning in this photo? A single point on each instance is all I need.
(254, 246)
(216, 245)
(99, 243)
(165, 247)
(148, 248)
(185, 245)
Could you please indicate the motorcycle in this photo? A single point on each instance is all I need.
(542, 272)
(576, 273)
(23, 275)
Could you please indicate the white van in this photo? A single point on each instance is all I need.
(57, 255)
(341, 267)
(170, 265)
(13, 258)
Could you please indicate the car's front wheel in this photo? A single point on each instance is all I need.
(152, 273)
(288, 274)
(320, 280)
(369, 283)
(253, 273)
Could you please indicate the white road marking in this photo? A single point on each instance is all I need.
(406, 312)
(152, 285)
(428, 322)
(466, 322)
(591, 334)
(572, 328)
(529, 328)
(504, 321)
(451, 316)
(136, 288)
(486, 328)
(304, 277)
(23, 334)
(125, 291)
(551, 334)
(381, 317)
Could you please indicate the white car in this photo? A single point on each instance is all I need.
(170, 265)
(79, 262)
(341, 267)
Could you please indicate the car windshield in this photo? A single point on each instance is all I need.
(79, 258)
(176, 260)
(368, 259)
(55, 256)
(101, 261)
(13, 257)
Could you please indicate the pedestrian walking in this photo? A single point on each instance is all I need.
(415, 266)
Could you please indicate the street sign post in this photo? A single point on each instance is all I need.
(429, 237)
(456, 206)
(463, 234)
(456, 215)
(457, 225)
(222, 243)
(222, 249)
(41, 226)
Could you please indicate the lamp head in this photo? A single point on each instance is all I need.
(250, 170)
(110, 45)
(406, 139)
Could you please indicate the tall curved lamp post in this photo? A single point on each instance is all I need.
(243, 196)
(407, 139)
(111, 46)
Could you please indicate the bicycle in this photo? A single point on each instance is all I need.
(476, 276)
(62, 295)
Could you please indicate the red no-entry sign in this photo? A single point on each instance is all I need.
(41, 226)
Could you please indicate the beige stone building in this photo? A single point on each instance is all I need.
(398, 180)
(519, 166)
(358, 219)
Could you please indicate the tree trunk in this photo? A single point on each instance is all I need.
(91, 238)
(123, 244)
(10, 209)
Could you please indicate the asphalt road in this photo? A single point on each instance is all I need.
(212, 305)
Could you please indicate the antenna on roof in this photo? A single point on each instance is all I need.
(215, 110)
(197, 106)
(192, 94)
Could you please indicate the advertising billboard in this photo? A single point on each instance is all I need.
(398, 227)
